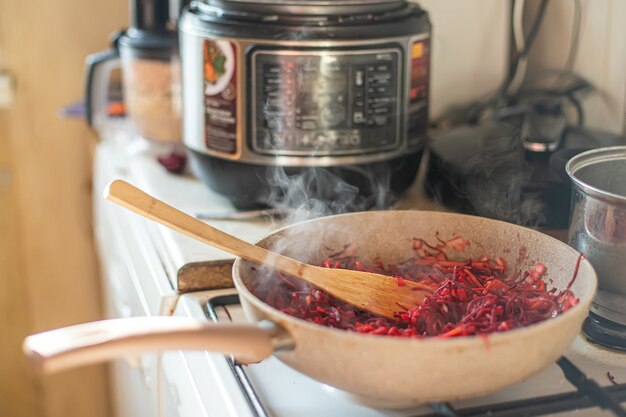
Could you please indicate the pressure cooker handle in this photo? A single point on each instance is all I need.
(98, 341)
(99, 68)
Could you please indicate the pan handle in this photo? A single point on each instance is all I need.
(98, 341)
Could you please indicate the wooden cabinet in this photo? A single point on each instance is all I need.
(48, 268)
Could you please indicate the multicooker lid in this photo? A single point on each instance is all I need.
(151, 34)
(309, 7)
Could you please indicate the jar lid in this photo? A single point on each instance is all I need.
(144, 44)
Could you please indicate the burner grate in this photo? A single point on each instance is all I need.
(588, 393)
(605, 332)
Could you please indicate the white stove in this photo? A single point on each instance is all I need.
(270, 388)
(150, 270)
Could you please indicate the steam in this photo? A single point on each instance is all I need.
(296, 34)
(498, 178)
(317, 192)
(312, 192)
(308, 192)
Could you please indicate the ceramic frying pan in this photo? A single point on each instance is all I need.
(392, 372)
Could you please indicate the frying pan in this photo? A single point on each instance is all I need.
(394, 372)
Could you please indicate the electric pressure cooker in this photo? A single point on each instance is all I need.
(328, 96)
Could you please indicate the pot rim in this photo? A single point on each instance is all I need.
(593, 157)
(464, 341)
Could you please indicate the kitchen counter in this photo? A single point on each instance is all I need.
(187, 262)
(147, 269)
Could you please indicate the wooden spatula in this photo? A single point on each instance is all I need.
(378, 294)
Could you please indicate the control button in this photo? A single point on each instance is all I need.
(380, 101)
(378, 90)
(358, 78)
(329, 140)
(332, 115)
(279, 139)
(355, 139)
(309, 125)
(272, 69)
(271, 103)
(305, 139)
(358, 117)
(359, 103)
(378, 82)
(324, 99)
(379, 79)
(275, 124)
(381, 120)
(278, 82)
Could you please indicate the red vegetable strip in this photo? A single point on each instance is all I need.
(454, 332)
(611, 378)
(474, 279)
(580, 256)
(470, 297)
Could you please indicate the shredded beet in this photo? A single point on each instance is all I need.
(470, 297)
(173, 162)
(611, 378)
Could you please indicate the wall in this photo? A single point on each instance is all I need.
(469, 50)
(48, 269)
(601, 57)
(18, 394)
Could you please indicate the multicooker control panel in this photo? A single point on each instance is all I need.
(330, 103)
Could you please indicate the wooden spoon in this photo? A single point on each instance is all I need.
(376, 293)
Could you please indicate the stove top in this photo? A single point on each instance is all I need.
(192, 265)
(588, 379)
(603, 332)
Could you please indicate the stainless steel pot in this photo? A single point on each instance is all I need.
(388, 371)
(598, 223)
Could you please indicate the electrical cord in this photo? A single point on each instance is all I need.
(529, 39)
(523, 45)
(574, 42)
(510, 98)
(575, 39)
(517, 24)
